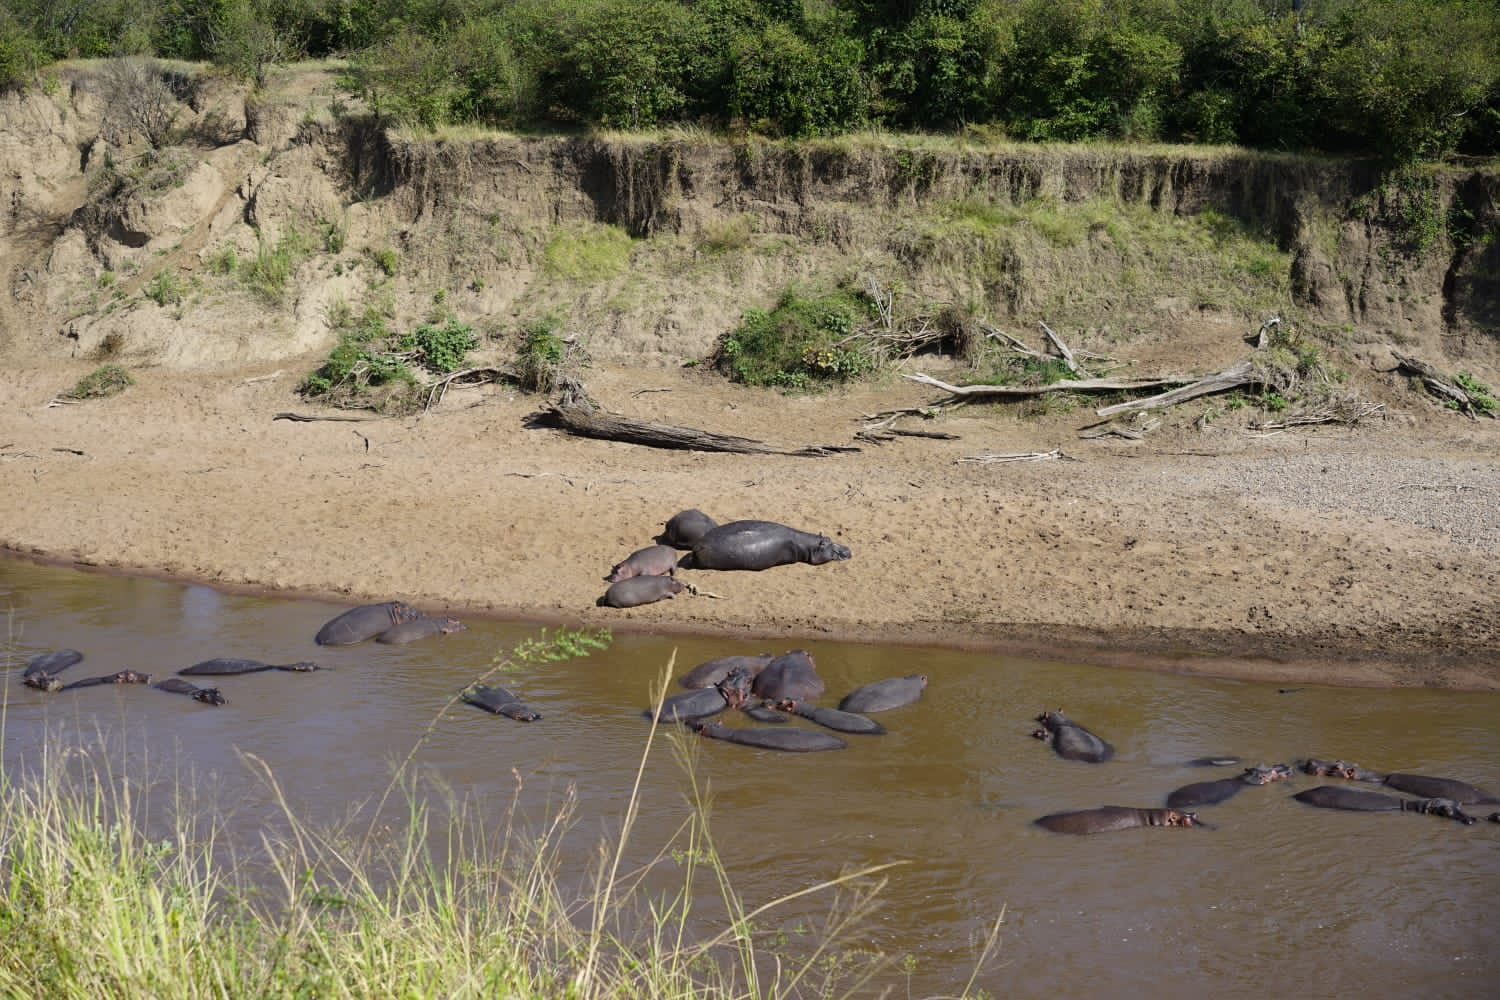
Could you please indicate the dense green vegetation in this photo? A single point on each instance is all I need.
(1399, 79)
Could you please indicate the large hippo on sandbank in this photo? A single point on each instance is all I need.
(421, 627)
(881, 696)
(1070, 740)
(227, 665)
(637, 590)
(1413, 784)
(711, 672)
(683, 529)
(653, 560)
(767, 738)
(1359, 800)
(1207, 793)
(1107, 819)
(757, 545)
(364, 622)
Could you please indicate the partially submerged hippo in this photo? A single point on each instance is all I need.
(790, 677)
(653, 560)
(1207, 793)
(637, 590)
(364, 622)
(836, 719)
(1359, 800)
(422, 627)
(1070, 740)
(711, 672)
(499, 701)
(684, 528)
(227, 665)
(176, 685)
(42, 669)
(118, 677)
(788, 740)
(731, 692)
(881, 696)
(1413, 784)
(757, 545)
(1106, 819)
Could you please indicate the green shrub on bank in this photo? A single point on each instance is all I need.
(804, 340)
(106, 380)
(373, 367)
(543, 352)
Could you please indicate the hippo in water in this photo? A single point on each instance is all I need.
(42, 669)
(833, 718)
(364, 622)
(1207, 793)
(1070, 740)
(1359, 800)
(683, 529)
(499, 701)
(711, 672)
(637, 590)
(789, 678)
(1106, 819)
(118, 677)
(788, 740)
(881, 696)
(731, 692)
(422, 627)
(1413, 784)
(176, 685)
(757, 545)
(226, 665)
(653, 560)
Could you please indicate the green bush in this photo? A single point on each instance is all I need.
(803, 341)
(442, 349)
(106, 380)
(270, 270)
(164, 289)
(542, 354)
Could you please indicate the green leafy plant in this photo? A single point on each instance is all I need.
(442, 348)
(542, 354)
(164, 288)
(270, 270)
(1481, 396)
(802, 341)
(386, 259)
(106, 380)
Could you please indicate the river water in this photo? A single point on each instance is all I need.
(1279, 899)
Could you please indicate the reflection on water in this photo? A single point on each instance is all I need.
(1278, 899)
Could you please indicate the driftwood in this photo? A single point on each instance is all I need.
(1067, 385)
(576, 413)
(303, 418)
(1441, 385)
(1027, 456)
(880, 435)
(1243, 373)
(1120, 428)
(468, 376)
(1062, 349)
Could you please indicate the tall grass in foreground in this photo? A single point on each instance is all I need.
(95, 906)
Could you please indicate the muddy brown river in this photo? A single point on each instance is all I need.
(1279, 899)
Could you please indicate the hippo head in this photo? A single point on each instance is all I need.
(43, 682)
(447, 625)
(826, 550)
(209, 696)
(1266, 775)
(735, 687)
(129, 677)
(1320, 768)
(1446, 808)
(1174, 817)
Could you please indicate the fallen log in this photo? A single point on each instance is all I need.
(1241, 374)
(575, 413)
(1067, 385)
(1441, 385)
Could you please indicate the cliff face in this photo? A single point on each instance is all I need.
(648, 250)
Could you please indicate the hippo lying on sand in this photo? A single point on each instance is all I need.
(683, 529)
(637, 590)
(757, 545)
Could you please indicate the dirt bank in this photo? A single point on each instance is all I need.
(1361, 556)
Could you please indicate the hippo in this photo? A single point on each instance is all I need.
(789, 678)
(1207, 793)
(42, 669)
(757, 545)
(1072, 741)
(1106, 819)
(364, 622)
(730, 692)
(893, 692)
(422, 627)
(653, 560)
(711, 672)
(225, 665)
(1414, 784)
(176, 685)
(764, 711)
(834, 718)
(1359, 800)
(637, 590)
(118, 677)
(683, 529)
(790, 740)
(1222, 761)
(499, 701)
